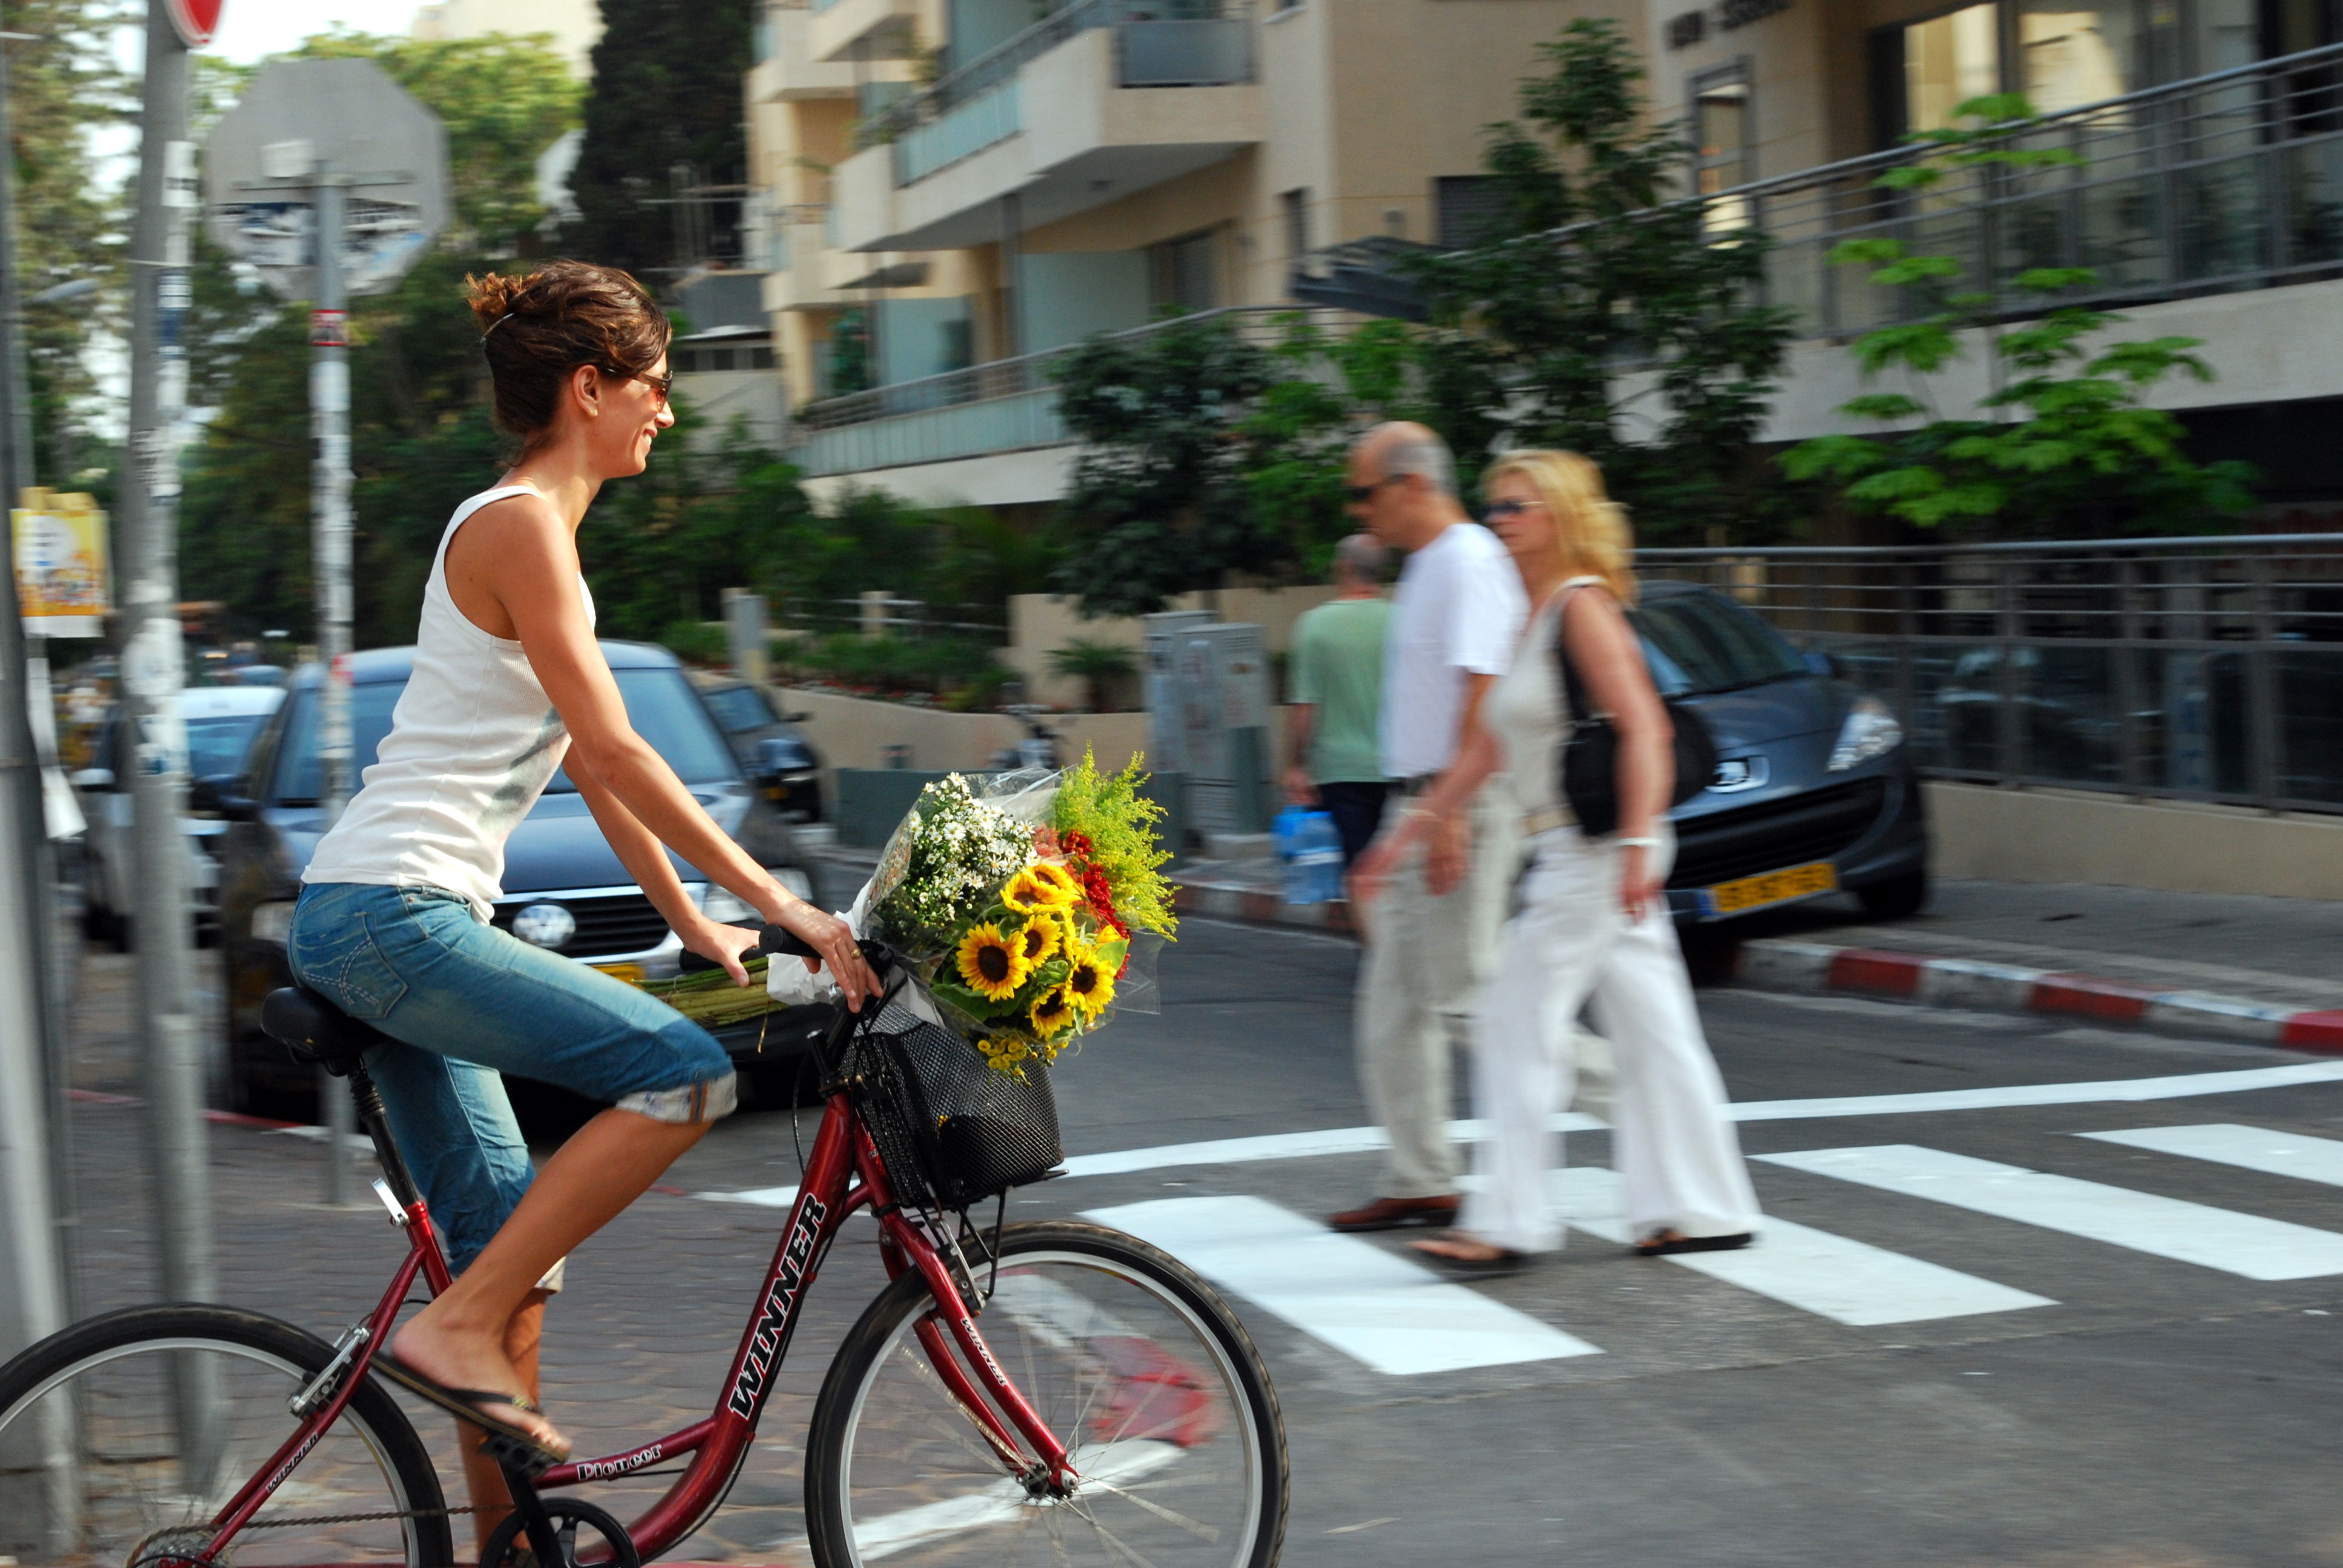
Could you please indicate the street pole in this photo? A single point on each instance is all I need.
(32, 1306)
(329, 423)
(153, 670)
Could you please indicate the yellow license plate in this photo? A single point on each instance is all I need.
(630, 973)
(1774, 888)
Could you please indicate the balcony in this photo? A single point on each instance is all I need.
(1101, 99)
(1007, 406)
(789, 71)
(841, 30)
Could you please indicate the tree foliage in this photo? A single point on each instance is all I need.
(666, 90)
(1634, 334)
(2063, 444)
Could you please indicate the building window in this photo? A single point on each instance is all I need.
(1185, 272)
(1723, 133)
(1464, 207)
(1294, 208)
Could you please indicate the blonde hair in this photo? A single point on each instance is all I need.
(1590, 528)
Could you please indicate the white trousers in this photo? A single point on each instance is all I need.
(1678, 1159)
(1425, 960)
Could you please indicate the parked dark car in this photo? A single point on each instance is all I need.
(767, 743)
(1815, 790)
(559, 871)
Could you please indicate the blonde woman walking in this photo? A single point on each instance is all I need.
(1594, 915)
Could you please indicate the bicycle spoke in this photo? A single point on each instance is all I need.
(1204, 1532)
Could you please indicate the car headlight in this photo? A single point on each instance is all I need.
(1870, 731)
(272, 922)
(725, 909)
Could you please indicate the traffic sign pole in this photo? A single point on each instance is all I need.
(329, 424)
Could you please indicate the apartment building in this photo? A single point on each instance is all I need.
(957, 189)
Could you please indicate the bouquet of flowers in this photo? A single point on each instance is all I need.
(1019, 904)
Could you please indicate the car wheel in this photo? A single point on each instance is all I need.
(1897, 897)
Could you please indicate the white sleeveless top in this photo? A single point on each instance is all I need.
(472, 744)
(1529, 713)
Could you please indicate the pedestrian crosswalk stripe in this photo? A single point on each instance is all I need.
(2249, 1148)
(1396, 1317)
(2244, 1244)
(1833, 1277)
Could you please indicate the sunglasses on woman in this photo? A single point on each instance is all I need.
(1498, 510)
(659, 386)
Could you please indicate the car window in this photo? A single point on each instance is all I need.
(738, 707)
(1695, 642)
(660, 704)
(217, 744)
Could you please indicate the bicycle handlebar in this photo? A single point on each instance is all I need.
(780, 941)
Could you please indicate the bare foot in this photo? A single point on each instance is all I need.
(457, 1360)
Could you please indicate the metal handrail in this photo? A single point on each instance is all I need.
(1004, 60)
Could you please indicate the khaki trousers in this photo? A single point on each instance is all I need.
(1426, 958)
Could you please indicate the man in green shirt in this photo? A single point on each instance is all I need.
(1337, 678)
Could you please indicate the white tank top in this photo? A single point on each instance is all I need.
(472, 743)
(1529, 712)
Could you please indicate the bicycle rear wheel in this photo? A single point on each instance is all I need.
(1136, 1365)
(121, 1437)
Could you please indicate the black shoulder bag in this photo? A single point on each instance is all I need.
(1590, 758)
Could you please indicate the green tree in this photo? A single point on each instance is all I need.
(666, 90)
(2063, 445)
(1536, 336)
(1097, 665)
(65, 87)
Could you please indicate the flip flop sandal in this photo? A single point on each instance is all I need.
(507, 1444)
(1507, 1261)
(1668, 1243)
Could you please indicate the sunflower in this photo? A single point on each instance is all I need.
(991, 964)
(1038, 941)
(1053, 1012)
(1041, 886)
(1090, 983)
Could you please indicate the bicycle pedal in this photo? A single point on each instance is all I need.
(511, 1453)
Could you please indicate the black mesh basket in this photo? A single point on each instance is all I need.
(944, 1117)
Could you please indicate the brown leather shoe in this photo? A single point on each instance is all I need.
(1396, 1214)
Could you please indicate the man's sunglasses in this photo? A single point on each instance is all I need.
(661, 386)
(1359, 494)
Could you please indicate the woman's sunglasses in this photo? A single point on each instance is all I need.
(659, 385)
(1498, 510)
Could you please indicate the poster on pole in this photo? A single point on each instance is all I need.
(65, 585)
(302, 121)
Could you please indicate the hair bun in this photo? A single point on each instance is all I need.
(494, 296)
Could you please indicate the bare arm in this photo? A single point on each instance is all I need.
(1609, 659)
(1438, 811)
(1299, 787)
(533, 574)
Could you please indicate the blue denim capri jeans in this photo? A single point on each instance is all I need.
(463, 1002)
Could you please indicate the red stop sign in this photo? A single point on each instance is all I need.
(197, 20)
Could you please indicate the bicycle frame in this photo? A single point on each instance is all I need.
(843, 1174)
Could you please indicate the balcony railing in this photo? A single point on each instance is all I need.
(1006, 404)
(1160, 43)
(2224, 181)
(2199, 668)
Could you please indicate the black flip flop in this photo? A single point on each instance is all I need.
(1507, 1261)
(1661, 1247)
(507, 1444)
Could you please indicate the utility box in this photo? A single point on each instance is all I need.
(1218, 711)
(1162, 632)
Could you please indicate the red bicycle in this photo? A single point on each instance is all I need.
(1050, 1392)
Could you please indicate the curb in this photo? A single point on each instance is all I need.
(1775, 964)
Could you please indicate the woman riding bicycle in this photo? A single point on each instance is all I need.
(508, 684)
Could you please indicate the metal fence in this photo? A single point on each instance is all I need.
(885, 615)
(2228, 181)
(2197, 669)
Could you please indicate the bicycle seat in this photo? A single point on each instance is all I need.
(315, 1029)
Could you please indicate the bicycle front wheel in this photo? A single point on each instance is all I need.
(1136, 1365)
(123, 1437)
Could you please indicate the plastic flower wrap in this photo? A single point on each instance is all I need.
(1029, 905)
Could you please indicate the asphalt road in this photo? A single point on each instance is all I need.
(2094, 1403)
(2150, 1411)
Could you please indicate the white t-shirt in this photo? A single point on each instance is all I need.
(1457, 611)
